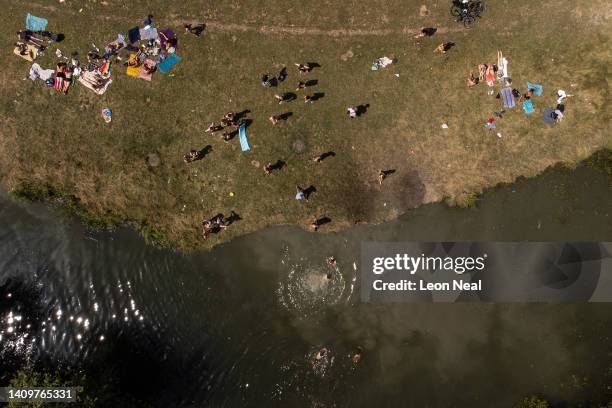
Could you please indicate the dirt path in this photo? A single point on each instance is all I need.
(338, 32)
(220, 26)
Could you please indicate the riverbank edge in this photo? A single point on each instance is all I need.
(69, 205)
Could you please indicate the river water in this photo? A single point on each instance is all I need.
(241, 325)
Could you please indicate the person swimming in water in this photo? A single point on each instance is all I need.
(356, 357)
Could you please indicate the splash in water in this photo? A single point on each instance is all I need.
(307, 287)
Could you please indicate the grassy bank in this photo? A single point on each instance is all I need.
(59, 142)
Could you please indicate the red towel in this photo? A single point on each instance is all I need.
(58, 84)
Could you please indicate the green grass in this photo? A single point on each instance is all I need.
(69, 204)
(61, 142)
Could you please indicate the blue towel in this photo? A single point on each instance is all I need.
(168, 63)
(537, 89)
(244, 143)
(34, 23)
(528, 106)
(509, 101)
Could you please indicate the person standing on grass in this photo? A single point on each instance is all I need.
(191, 156)
(381, 177)
(444, 47)
(274, 119)
(304, 68)
(220, 222)
(300, 195)
(266, 81)
(315, 225)
(307, 99)
(426, 32)
(206, 228)
(471, 80)
(226, 136)
(213, 128)
(279, 98)
(357, 356)
(282, 75)
(267, 169)
(351, 112)
(301, 85)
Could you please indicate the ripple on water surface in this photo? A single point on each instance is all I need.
(307, 286)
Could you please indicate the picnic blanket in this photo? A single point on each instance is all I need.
(167, 64)
(36, 72)
(134, 69)
(528, 106)
(144, 74)
(149, 33)
(548, 117)
(381, 63)
(537, 89)
(30, 55)
(244, 143)
(94, 81)
(134, 34)
(167, 38)
(34, 23)
(509, 101)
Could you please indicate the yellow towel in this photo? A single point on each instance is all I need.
(133, 71)
(31, 54)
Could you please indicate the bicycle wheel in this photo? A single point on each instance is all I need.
(455, 11)
(468, 21)
(477, 8)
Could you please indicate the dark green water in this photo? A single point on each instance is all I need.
(241, 325)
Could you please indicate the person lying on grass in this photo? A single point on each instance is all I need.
(471, 79)
(304, 68)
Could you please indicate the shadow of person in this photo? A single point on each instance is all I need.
(362, 109)
(285, 116)
(317, 95)
(309, 191)
(203, 152)
(323, 220)
(327, 154)
(278, 165)
(289, 96)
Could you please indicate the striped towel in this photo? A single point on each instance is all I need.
(59, 84)
(509, 101)
(105, 68)
(244, 143)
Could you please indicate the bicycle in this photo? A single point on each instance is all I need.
(467, 11)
